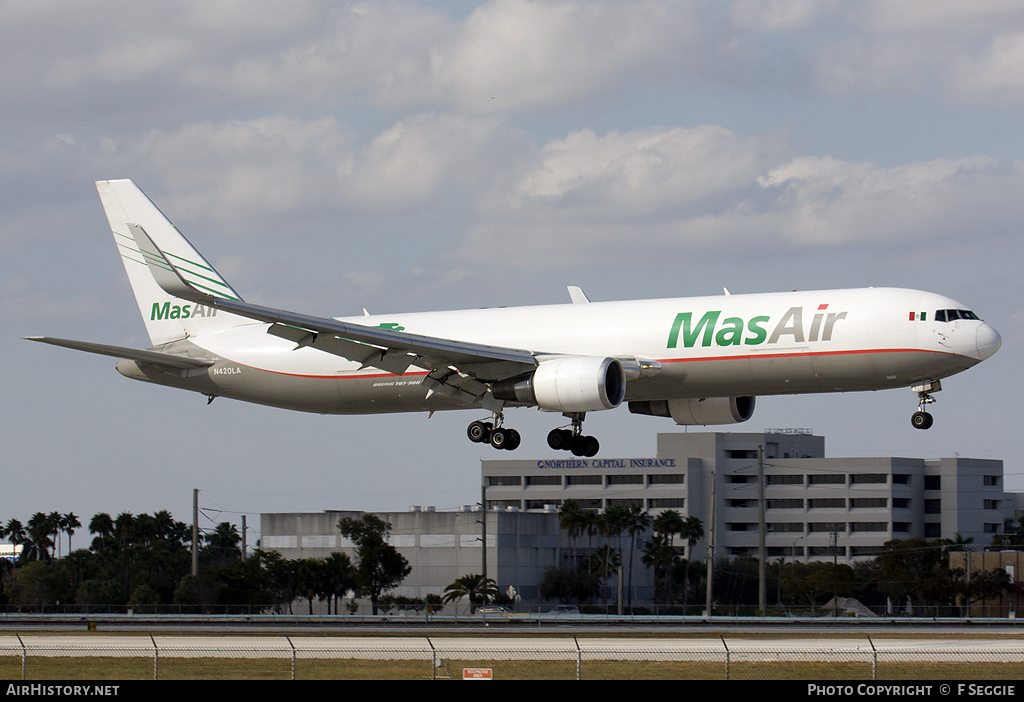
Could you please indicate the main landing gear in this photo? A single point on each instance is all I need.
(494, 434)
(573, 439)
(921, 419)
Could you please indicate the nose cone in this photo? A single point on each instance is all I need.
(989, 341)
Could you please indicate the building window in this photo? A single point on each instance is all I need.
(901, 503)
(869, 502)
(786, 527)
(868, 478)
(992, 480)
(991, 528)
(741, 526)
(504, 480)
(739, 479)
(784, 479)
(933, 482)
(933, 506)
(868, 526)
(827, 503)
(902, 527)
(742, 453)
(827, 479)
(932, 531)
(666, 479)
(667, 503)
(583, 480)
(901, 479)
(991, 504)
(826, 527)
(789, 503)
(543, 480)
(625, 480)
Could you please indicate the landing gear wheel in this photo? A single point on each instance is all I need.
(921, 420)
(559, 439)
(479, 432)
(584, 446)
(507, 439)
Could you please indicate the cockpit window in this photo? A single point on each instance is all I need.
(953, 315)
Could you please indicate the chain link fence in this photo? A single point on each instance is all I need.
(97, 658)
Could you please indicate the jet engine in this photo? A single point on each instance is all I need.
(705, 410)
(568, 384)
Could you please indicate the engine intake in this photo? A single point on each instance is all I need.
(567, 384)
(705, 410)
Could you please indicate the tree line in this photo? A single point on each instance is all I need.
(145, 560)
(908, 572)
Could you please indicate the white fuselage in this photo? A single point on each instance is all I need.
(722, 346)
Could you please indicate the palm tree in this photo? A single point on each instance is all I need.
(636, 522)
(604, 561)
(476, 587)
(611, 523)
(15, 533)
(39, 542)
(68, 523)
(668, 524)
(339, 577)
(692, 531)
(102, 527)
(657, 553)
(574, 520)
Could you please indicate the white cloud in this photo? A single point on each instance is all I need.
(641, 173)
(422, 158)
(512, 55)
(994, 75)
(826, 201)
(598, 198)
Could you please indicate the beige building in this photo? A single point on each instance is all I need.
(814, 507)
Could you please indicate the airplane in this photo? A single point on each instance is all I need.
(695, 360)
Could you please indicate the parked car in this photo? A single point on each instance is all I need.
(565, 609)
(492, 609)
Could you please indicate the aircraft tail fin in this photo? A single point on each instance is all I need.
(167, 318)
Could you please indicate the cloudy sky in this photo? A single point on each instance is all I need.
(398, 156)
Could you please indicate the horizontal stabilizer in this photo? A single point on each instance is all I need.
(152, 357)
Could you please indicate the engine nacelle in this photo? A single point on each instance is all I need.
(706, 410)
(568, 384)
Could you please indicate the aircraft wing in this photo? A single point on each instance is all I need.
(151, 357)
(456, 367)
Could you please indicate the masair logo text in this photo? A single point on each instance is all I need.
(734, 331)
(169, 311)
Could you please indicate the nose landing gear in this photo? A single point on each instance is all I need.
(921, 419)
